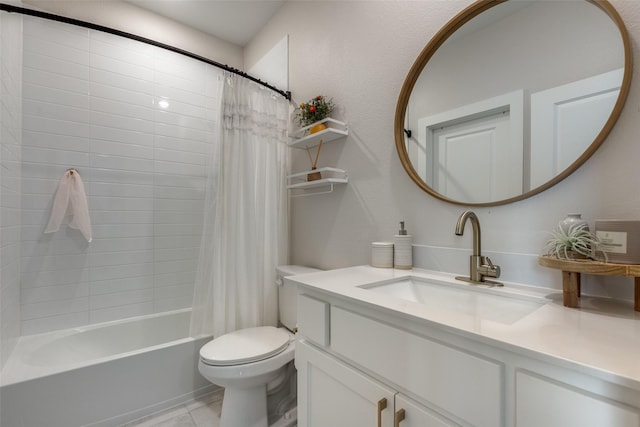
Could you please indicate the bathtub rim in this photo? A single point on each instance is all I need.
(16, 370)
(108, 394)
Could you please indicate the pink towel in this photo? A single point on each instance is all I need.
(71, 200)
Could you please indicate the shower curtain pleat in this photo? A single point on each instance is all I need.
(245, 227)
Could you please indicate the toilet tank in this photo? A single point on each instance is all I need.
(288, 294)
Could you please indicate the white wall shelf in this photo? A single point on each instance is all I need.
(331, 177)
(335, 130)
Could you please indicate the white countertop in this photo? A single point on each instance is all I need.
(601, 338)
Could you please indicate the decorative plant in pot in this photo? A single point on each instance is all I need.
(307, 114)
(314, 110)
(575, 242)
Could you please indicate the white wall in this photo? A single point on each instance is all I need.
(359, 52)
(135, 20)
(10, 172)
(92, 102)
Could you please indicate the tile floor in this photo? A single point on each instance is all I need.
(201, 412)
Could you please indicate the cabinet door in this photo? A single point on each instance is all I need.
(332, 394)
(416, 415)
(459, 382)
(544, 402)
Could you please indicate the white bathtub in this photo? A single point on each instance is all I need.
(102, 375)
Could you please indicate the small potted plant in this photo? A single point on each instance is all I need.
(315, 110)
(575, 242)
(309, 113)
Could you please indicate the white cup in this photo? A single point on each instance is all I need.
(382, 254)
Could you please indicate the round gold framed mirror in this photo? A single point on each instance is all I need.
(512, 96)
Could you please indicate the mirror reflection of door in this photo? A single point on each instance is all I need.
(564, 120)
(470, 157)
(475, 151)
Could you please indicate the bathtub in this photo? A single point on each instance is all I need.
(102, 375)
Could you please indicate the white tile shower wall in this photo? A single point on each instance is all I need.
(137, 122)
(10, 155)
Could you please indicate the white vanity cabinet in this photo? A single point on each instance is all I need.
(543, 401)
(456, 381)
(351, 356)
(335, 391)
(409, 413)
(337, 395)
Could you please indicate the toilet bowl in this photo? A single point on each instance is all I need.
(246, 360)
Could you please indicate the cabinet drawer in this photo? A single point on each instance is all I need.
(544, 402)
(463, 384)
(313, 319)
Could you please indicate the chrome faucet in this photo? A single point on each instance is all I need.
(479, 266)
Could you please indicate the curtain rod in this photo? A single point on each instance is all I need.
(15, 9)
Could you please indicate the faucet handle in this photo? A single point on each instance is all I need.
(495, 269)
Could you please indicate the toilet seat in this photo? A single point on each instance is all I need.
(245, 346)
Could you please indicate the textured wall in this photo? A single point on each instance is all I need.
(92, 101)
(359, 53)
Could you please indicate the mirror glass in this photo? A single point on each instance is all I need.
(507, 100)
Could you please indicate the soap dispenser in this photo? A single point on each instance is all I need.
(402, 249)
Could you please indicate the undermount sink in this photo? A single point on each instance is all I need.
(480, 301)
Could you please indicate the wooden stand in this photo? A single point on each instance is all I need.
(571, 271)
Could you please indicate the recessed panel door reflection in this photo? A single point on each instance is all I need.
(573, 113)
(474, 160)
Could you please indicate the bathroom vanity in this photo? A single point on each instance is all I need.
(384, 347)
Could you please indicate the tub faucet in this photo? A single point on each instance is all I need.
(479, 266)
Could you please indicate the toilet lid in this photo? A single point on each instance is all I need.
(245, 346)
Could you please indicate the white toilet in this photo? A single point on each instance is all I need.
(246, 360)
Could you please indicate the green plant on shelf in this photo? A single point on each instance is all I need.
(314, 110)
(575, 242)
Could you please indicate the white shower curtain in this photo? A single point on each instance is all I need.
(245, 231)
